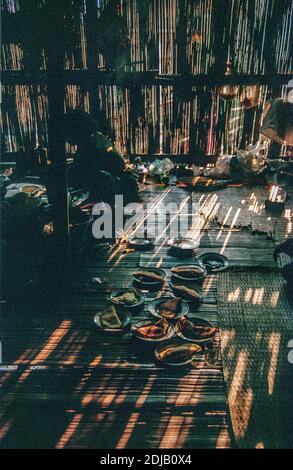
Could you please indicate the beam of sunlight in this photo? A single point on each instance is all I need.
(185, 391)
(53, 342)
(126, 435)
(258, 296)
(274, 348)
(224, 223)
(234, 296)
(108, 399)
(223, 439)
(238, 377)
(96, 361)
(72, 427)
(208, 283)
(49, 347)
(24, 358)
(131, 232)
(5, 428)
(227, 336)
(176, 432)
(145, 392)
(176, 215)
(182, 205)
(246, 406)
(230, 231)
(95, 395)
(274, 298)
(122, 396)
(248, 295)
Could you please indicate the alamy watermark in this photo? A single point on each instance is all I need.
(152, 220)
(290, 354)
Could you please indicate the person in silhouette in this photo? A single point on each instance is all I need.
(98, 167)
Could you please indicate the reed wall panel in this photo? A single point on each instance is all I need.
(166, 36)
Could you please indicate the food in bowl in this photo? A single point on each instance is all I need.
(109, 318)
(169, 308)
(153, 330)
(128, 298)
(195, 330)
(148, 276)
(178, 353)
(190, 273)
(187, 293)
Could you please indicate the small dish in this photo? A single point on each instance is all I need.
(190, 273)
(178, 289)
(140, 244)
(120, 293)
(170, 330)
(154, 308)
(124, 316)
(213, 262)
(202, 331)
(177, 352)
(150, 283)
(183, 245)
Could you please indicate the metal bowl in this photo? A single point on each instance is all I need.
(183, 244)
(197, 321)
(151, 284)
(147, 322)
(154, 308)
(174, 343)
(124, 315)
(140, 244)
(193, 286)
(213, 262)
(198, 279)
(140, 296)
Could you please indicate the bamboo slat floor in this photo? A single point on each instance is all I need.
(70, 386)
(256, 325)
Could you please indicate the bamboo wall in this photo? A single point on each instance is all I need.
(166, 36)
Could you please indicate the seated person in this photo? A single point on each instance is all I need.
(278, 125)
(286, 247)
(98, 167)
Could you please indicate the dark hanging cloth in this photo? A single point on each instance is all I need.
(278, 122)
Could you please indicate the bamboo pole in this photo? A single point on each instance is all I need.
(55, 53)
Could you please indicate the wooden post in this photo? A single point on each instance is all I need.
(56, 91)
(91, 21)
(220, 24)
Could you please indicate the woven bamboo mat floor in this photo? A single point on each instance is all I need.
(242, 206)
(256, 325)
(73, 387)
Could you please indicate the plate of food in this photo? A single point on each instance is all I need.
(153, 330)
(195, 329)
(214, 262)
(150, 277)
(169, 308)
(112, 319)
(189, 272)
(127, 297)
(140, 244)
(191, 293)
(182, 247)
(177, 353)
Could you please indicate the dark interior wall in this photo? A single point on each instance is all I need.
(147, 39)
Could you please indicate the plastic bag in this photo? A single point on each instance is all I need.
(160, 167)
(222, 168)
(251, 159)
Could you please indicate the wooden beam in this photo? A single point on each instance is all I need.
(19, 77)
(91, 21)
(58, 176)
